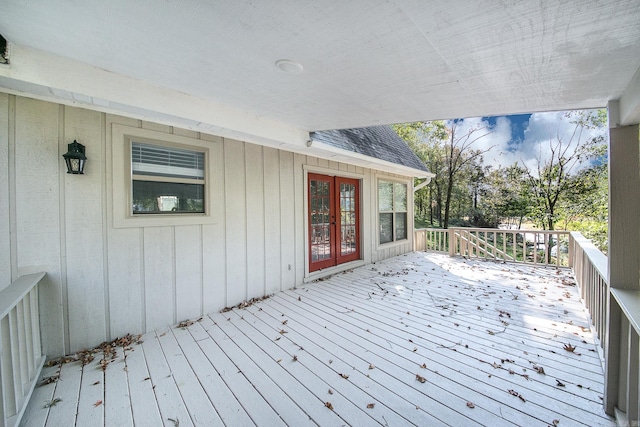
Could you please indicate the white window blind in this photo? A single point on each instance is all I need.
(147, 159)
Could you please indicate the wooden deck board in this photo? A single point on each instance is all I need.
(117, 404)
(170, 402)
(479, 328)
(441, 356)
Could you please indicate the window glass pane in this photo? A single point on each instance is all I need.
(386, 227)
(167, 197)
(385, 196)
(400, 197)
(401, 226)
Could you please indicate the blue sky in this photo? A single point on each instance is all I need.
(522, 138)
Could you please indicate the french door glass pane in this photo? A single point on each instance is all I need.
(347, 219)
(320, 220)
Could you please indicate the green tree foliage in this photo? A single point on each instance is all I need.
(565, 189)
(556, 181)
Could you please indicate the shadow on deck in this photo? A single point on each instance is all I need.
(420, 339)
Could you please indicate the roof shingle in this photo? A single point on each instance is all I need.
(380, 142)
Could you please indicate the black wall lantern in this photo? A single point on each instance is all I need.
(75, 158)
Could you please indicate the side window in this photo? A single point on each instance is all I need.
(392, 211)
(166, 180)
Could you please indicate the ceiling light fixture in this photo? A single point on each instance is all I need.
(288, 66)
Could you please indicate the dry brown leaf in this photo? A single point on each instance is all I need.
(330, 391)
(371, 405)
(539, 369)
(98, 403)
(282, 332)
(570, 348)
(420, 378)
(295, 358)
(470, 405)
(556, 422)
(372, 366)
(329, 405)
(423, 366)
(345, 376)
(284, 322)
(559, 383)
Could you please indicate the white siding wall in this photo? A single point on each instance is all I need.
(104, 282)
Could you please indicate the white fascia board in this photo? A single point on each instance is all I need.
(630, 102)
(38, 74)
(330, 152)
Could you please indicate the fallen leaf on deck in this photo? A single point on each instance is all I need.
(539, 369)
(329, 405)
(345, 376)
(423, 366)
(372, 366)
(556, 422)
(559, 383)
(420, 378)
(52, 402)
(176, 422)
(330, 391)
(284, 322)
(515, 393)
(295, 358)
(98, 403)
(570, 348)
(282, 332)
(371, 405)
(470, 405)
(96, 383)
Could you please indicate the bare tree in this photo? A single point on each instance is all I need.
(458, 153)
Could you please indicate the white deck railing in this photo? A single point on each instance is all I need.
(21, 356)
(615, 313)
(523, 246)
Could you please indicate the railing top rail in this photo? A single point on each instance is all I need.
(597, 258)
(11, 295)
(500, 230)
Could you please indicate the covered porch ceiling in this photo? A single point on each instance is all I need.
(211, 65)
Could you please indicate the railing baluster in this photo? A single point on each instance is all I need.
(21, 359)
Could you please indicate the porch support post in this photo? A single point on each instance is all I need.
(624, 206)
(624, 249)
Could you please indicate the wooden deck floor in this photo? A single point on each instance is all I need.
(421, 339)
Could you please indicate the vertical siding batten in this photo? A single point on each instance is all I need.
(236, 231)
(5, 198)
(299, 210)
(37, 184)
(255, 220)
(214, 270)
(64, 276)
(82, 231)
(287, 223)
(273, 277)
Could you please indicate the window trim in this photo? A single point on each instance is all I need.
(409, 213)
(121, 191)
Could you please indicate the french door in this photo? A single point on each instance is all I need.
(334, 220)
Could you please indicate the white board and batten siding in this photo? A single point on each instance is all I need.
(104, 281)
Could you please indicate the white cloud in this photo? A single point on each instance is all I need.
(541, 129)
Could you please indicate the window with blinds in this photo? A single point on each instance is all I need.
(166, 180)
